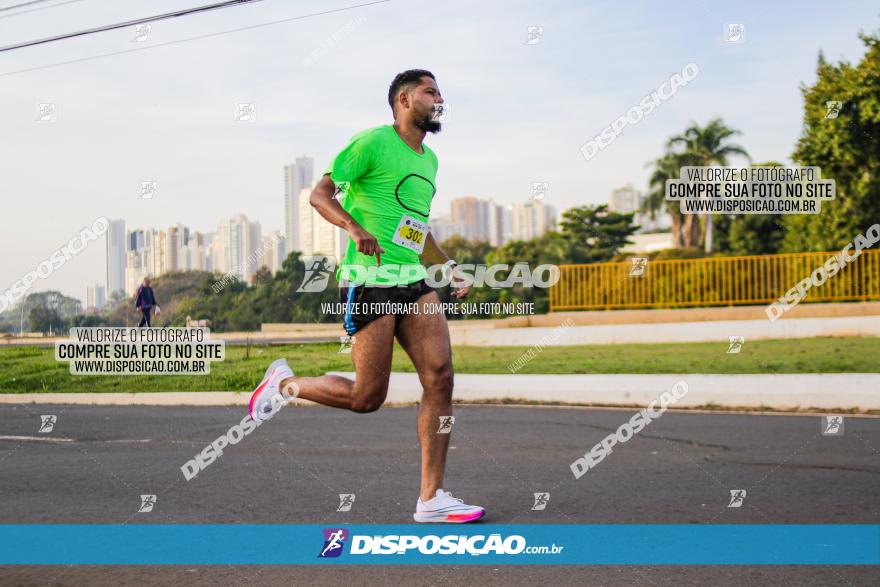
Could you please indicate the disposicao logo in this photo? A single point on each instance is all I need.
(334, 540)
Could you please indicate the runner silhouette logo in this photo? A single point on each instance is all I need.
(318, 269)
(334, 541)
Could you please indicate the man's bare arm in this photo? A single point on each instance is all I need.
(322, 200)
(432, 254)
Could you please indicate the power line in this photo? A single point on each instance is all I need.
(209, 35)
(40, 8)
(121, 25)
(4, 9)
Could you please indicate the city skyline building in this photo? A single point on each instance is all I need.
(531, 219)
(297, 176)
(473, 214)
(95, 297)
(115, 252)
(628, 200)
(317, 235)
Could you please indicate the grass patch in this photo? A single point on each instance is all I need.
(34, 369)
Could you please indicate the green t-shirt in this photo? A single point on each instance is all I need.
(383, 180)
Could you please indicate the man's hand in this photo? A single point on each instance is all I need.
(366, 242)
(460, 285)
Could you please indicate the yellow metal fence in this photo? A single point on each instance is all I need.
(718, 281)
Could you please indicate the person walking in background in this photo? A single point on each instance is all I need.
(144, 301)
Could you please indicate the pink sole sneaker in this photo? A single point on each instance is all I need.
(444, 508)
(261, 404)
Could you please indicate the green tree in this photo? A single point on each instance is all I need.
(594, 234)
(261, 275)
(751, 234)
(281, 301)
(551, 248)
(847, 148)
(88, 321)
(44, 319)
(685, 227)
(465, 251)
(66, 307)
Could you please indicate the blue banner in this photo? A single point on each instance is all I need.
(254, 544)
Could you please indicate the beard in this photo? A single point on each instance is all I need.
(427, 123)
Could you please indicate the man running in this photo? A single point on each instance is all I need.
(387, 175)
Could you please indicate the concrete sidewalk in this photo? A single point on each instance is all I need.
(860, 391)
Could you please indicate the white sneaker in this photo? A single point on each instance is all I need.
(267, 395)
(443, 507)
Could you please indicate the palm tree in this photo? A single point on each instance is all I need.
(685, 229)
(707, 146)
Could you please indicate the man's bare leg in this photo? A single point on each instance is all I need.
(425, 337)
(371, 352)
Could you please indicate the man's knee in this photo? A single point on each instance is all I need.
(367, 404)
(370, 398)
(438, 381)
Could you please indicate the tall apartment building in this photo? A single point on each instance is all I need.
(474, 219)
(235, 246)
(473, 214)
(499, 224)
(207, 241)
(139, 258)
(95, 298)
(175, 239)
(297, 176)
(273, 251)
(625, 200)
(115, 248)
(628, 200)
(531, 219)
(443, 228)
(136, 239)
(317, 235)
(194, 255)
(135, 271)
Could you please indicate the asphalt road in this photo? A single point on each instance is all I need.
(98, 460)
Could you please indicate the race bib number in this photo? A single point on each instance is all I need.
(411, 234)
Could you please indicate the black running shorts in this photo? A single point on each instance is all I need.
(363, 304)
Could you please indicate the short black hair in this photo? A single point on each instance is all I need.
(408, 77)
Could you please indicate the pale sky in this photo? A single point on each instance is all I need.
(518, 113)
